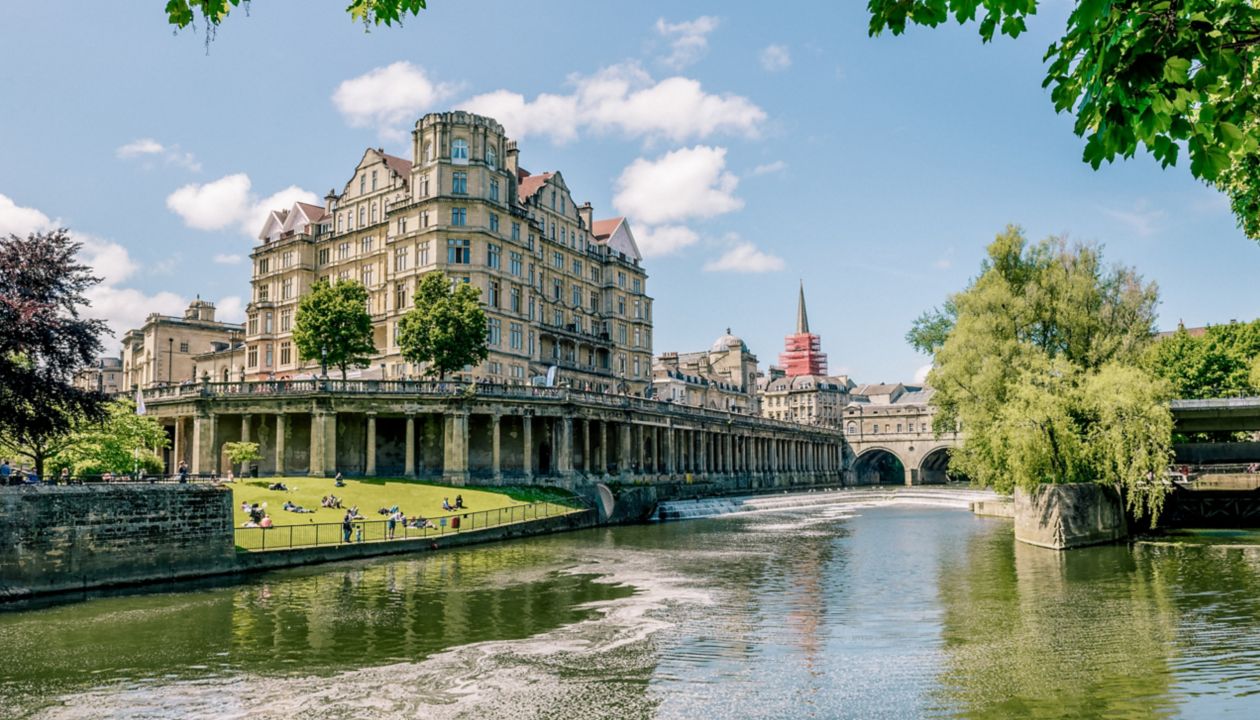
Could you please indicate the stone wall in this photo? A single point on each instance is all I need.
(54, 539)
(1068, 516)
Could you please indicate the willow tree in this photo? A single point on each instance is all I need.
(1038, 361)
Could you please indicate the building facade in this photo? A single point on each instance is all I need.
(104, 376)
(723, 378)
(162, 350)
(565, 294)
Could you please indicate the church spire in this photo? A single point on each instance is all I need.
(802, 319)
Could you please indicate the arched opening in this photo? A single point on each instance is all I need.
(879, 467)
(935, 466)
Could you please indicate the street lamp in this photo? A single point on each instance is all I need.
(323, 361)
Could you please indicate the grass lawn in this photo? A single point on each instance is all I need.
(370, 494)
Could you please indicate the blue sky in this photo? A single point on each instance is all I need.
(752, 146)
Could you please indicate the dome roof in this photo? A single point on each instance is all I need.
(726, 342)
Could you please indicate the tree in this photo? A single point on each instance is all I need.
(182, 13)
(119, 443)
(1039, 366)
(1215, 364)
(447, 326)
(333, 326)
(44, 341)
(1141, 73)
(242, 453)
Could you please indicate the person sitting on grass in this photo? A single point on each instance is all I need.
(265, 522)
(339, 482)
(459, 502)
(446, 505)
(277, 486)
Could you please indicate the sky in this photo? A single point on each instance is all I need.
(753, 146)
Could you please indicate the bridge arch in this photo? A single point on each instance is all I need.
(879, 466)
(934, 466)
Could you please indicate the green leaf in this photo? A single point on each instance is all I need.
(1177, 70)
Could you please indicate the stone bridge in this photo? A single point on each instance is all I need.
(459, 432)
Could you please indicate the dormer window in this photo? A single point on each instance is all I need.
(459, 150)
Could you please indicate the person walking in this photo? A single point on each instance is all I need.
(6, 472)
(347, 526)
(183, 472)
(391, 523)
(65, 476)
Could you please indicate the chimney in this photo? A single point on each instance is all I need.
(587, 214)
(512, 162)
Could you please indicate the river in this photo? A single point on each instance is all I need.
(826, 611)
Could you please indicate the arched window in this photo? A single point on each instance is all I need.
(490, 157)
(428, 152)
(459, 150)
(852, 428)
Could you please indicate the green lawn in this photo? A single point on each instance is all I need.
(411, 496)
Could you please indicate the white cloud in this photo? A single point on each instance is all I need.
(230, 309)
(22, 221)
(148, 147)
(688, 40)
(659, 240)
(112, 262)
(1142, 220)
(229, 201)
(226, 259)
(624, 99)
(769, 168)
(744, 257)
(388, 97)
(686, 183)
(920, 375)
(775, 58)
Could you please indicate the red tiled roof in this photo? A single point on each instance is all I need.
(402, 166)
(314, 213)
(531, 184)
(521, 174)
(603, 229)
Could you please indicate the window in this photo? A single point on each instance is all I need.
(400, 259)
(494, 222)
(286, 289)
(557, 261)
(638, 337)
(286, 260)
(594, 306)
(490, 157)
(424, 218)
(286, 353)
(428, 152)
(268, 357)
(402, 226)
(558, 317)
(621, 305)
(636, 366)
(324, 255)
(264, 292)
(183, 346)
(362, 210)
(368, 275)
(286, 320)
(422, 254)
(343, 251)
(362, 184)
(458, 252)
(514, 299)
(577, 268)
(366, 245)
(493, 255)
(638, 310)
(621, 280)
(875, 429)
(264, 265)
(459, 183)
(621, 333)
(495, 334)
(516, 232)
(400, 296)
(373, 218)
(374, 180)
(594, 274)
(898, 427)
(251, 356)
(577, 296)
(557, 291)
(424, 185)
(514, 264)
(459, 151)
(638, 285)
(492, 298)
(518, 372)
(459, 216)
(494, 190)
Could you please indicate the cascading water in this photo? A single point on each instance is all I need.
(953, 497)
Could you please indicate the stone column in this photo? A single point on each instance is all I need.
(623, 454)
(371, 445)
(603, 447)
(702, 444)
(527, 448)
(909, 476)
(281, 430)
(564, 446)
(670, 446)
(409, 459)
(330, 442)
(317, 468)
(496, 459)
(455, 457)
(204, 458)
(586, 446)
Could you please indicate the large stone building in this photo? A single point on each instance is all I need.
(723, 378)
(104, 375)
(799, 390)
(561, 289)
(162, 350)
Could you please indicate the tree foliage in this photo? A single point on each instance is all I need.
(182, 13)
(1159, 74)
(1216, 364)
(447, 327)
(333, 324)
(242, 453)
(1039, 367)
(119, 443)
(43, 342)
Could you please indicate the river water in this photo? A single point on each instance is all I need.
(822, 611)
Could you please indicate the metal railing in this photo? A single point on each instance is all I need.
(280, 537)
